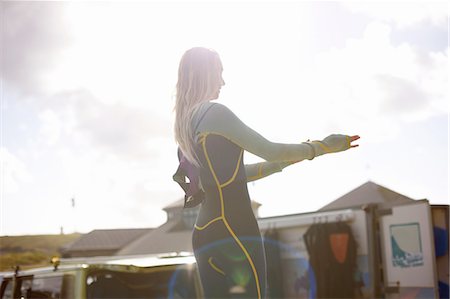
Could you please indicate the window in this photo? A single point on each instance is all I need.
(190, 216)
(51, 287)
(163, 283)
(23, 285)
(6, 291)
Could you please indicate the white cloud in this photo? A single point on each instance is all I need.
(403, 13)
(80, 120)
(373, 85)
(129, 192)
(14, 172)
(33, 37)
(50, 129)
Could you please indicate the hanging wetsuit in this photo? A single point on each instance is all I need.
(332, 255)
(226, 239)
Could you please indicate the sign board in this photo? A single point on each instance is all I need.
(408, 247)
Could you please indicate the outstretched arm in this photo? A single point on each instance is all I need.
(263, 169)
(222, 121)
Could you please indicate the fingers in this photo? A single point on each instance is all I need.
(354, 138)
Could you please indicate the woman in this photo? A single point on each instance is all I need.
(226, 239)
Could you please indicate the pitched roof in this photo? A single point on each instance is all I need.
(368, 193)
(110, 239)
(166, 238)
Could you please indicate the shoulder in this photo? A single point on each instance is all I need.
(214, 117)
(203, 108)
(201, 113)
(218, 109)
(220, 115)
(212, 110)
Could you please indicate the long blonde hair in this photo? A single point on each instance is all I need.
(197, 79)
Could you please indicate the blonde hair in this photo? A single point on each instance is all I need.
(198, 76)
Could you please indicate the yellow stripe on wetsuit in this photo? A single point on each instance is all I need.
(221, 186)
(327, 149)
(222, 217)
(214, 266)
(257, 176)
(207, 224)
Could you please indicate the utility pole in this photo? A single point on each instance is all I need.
(74, 216)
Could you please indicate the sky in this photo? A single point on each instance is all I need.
(87, 95)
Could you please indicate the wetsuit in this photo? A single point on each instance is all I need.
(226, 239)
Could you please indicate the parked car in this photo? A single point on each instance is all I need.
(163, 276)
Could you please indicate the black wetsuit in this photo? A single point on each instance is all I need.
(227, 243)
(226, 238)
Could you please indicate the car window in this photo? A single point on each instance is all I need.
(51, 287)
(6, 290)
(162, 283)
(23, 285)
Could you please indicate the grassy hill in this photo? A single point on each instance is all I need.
(31, 251)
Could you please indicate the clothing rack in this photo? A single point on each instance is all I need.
(306, 219)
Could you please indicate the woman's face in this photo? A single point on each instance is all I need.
(217, 81)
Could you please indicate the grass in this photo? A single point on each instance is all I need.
(31, 251)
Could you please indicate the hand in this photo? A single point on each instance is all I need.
(337, 143)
